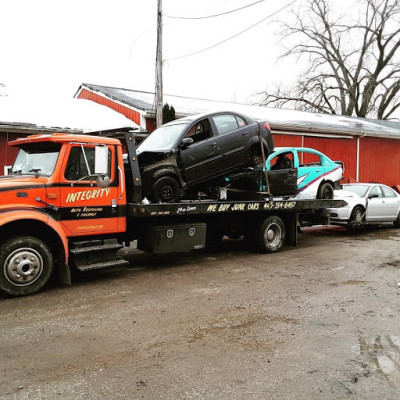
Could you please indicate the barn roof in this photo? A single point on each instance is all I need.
(69, 115)
(280, 120)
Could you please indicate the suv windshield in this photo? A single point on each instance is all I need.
(162, 139)
(38, 158)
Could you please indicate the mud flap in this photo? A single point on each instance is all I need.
(64, 274)
(291, 230)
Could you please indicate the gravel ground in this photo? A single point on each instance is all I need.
(316, 321)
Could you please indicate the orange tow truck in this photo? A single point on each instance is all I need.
(72, 201)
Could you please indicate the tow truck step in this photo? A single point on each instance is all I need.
(104, 264)
(96, 254)
(101, 247)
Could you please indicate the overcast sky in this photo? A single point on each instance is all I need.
(49, 47)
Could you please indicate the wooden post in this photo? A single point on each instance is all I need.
(159, 66)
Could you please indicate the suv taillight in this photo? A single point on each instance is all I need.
(266, 126)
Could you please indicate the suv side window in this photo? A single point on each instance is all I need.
(76, 167)
(240, 121)
(199, 131)
(225, 123)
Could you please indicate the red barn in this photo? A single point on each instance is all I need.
(22, 117)
(370, 149)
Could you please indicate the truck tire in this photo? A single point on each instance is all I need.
(165, 190)
(325, 191)
(26, 264)
(270, 235)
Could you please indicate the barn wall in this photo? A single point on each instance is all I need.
(7, 153)
(128, 112)
(151, 124)
(282, 140)
(337, 150)
(380, 160)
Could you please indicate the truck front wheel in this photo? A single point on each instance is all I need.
(269, 236)
(26, 264)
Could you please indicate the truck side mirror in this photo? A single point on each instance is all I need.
(101, 160)
(103, 181)
(101, 166)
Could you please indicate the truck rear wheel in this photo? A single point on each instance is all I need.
(26, 264)
(269, 236)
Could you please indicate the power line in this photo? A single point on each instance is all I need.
(216, 15)
(231, 37)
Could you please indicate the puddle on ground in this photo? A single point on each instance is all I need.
(383, 356)
(241, 330)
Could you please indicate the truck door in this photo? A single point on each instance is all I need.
(84, 207)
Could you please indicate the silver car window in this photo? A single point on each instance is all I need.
(375, 191)
(387, 192)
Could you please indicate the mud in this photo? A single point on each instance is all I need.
(320, 321)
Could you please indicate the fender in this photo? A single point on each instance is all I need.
(7, 217)
(255, 140)
(165, 172)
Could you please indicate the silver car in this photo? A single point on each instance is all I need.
(367, 203)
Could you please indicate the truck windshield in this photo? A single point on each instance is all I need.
(35, 158)
(162, 139)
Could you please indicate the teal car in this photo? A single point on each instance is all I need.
(297, 172)
(317, 174)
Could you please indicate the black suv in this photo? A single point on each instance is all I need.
(193, 152)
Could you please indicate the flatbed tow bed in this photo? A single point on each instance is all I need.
(266, 224)
(198, 207)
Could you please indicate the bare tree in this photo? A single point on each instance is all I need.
(353, 66)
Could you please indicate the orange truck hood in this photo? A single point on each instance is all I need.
(22, 191)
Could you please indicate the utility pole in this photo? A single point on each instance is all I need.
(159, 66)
